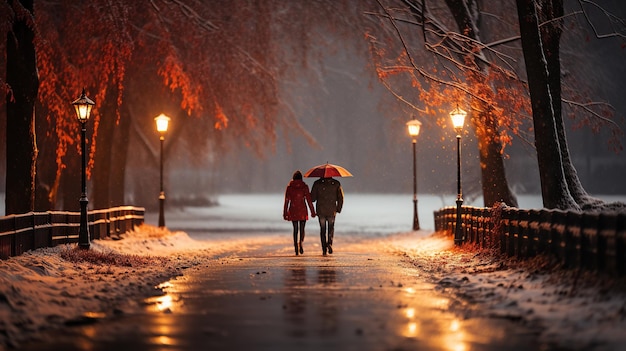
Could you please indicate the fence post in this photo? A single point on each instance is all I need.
(607, 233)
(451, 219)
(545, 231)
(513, 242)
(41, 230)
(466, 220)
(476, 223)
(7, 237)
(504, 228)
(25, 233)
(620, 244)
(589, 241)
(557, 245)
(572, 239)
(505, 243)
(522, 233)
(533, 232)
(481, 227)
(488, 227)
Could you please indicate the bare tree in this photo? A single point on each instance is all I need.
(481, 62)
(464, 71)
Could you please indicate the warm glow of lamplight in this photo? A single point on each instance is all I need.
(458, 118)
(162, 122)
(414, 127)
(163, 340)
(164, 303)
(455, 326)
(412, 329)
(83, 107)
(83, 112)
(455, 340)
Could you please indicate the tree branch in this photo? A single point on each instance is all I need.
(610, 17)
(588, 108)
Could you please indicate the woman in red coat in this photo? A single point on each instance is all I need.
(297, 197)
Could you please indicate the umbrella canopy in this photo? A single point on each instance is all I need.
(327, 170)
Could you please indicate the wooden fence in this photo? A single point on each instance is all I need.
(593, 241)
(29, 231)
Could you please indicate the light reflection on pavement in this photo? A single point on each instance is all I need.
(359, 298)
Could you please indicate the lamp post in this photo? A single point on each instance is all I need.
(162, 122)
(83, 106)
(414, 129)
(458, 118)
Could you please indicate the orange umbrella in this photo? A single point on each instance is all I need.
(327, 170)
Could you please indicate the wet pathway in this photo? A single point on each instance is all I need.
(271, 300)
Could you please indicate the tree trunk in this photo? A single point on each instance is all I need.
(70, 181)
(46, 190)
(493, 176)
(21, 146)
(46, 162)
(554, 187)
(101, 181)
(551, 36)
(120, 150)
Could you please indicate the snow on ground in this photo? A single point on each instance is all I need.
(41, 290)
(569, 309)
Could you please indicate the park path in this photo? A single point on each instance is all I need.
(363, 297)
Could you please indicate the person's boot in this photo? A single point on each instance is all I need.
(329, 242)
(296, 247)
(301, 248)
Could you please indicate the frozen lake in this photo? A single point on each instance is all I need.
(371, 214)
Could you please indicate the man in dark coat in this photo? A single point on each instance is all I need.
(328, 197)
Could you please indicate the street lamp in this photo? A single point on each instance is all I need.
(83, 106)
(414, 130)
(458, 118)
(162, 122)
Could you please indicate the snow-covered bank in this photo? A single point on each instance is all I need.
(41, 290)
(570, 310)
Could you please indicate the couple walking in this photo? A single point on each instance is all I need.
(328, 197)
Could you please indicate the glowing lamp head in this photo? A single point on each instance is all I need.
(83, 106)
(413, 127)
(162, 122)
(458, 119)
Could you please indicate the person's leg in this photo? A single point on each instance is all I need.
(322, 221)
(302, 224)
(295, 235)
(331, 233)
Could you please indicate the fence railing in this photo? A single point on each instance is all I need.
(593, 241)
(22, 232)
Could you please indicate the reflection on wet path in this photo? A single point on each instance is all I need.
(295, 301)
(348, 301)
(311, 307)
(329, 309)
